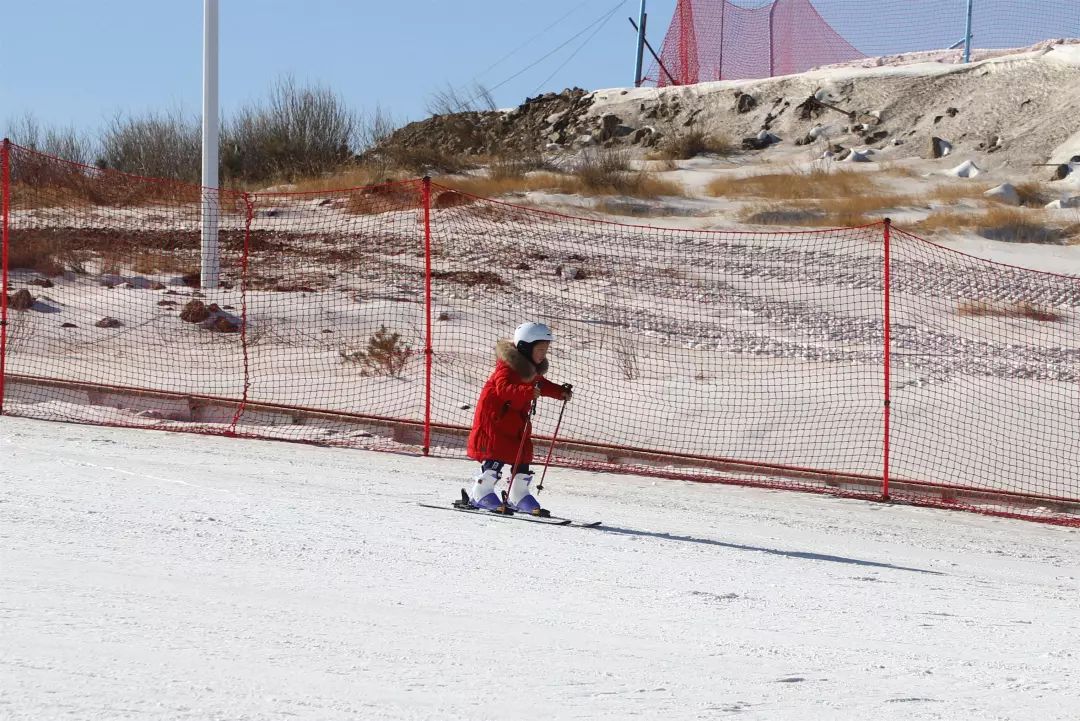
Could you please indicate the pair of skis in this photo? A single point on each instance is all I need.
(463, 506)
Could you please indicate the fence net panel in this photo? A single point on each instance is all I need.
(102, 266)
(762, 347)
(986, 360)
(746, 357)
(724, 40)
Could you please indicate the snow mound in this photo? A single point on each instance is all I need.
(1005, 193)
(1064, 203)
(967, 169)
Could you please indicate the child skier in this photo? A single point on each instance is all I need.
(502, 428)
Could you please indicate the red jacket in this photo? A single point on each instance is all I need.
(502, 413)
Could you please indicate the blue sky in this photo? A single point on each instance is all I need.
(78, 62)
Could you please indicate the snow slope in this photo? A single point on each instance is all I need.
(166, 576)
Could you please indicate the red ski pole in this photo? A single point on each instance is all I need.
(554, 438)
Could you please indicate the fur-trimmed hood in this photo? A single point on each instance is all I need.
(508, 353)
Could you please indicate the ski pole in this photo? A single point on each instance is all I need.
(554, 438)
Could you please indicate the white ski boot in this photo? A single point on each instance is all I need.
(483, 494)
(520, 496)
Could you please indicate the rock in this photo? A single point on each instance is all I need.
(194, 312)
(108, 322)
(869, 119)
(573, 273)
(744, 103)
(444, 315)
(754, 144)
(939, 148)
(759, 142)
(876, 137)
(68, 325)
(810, 108)
(1004, 193)
(41, 282)
(608, 124)
(1064, 203)
(1062, 171)
(842, 155)
(223, 324)
(21, 300)
(952, 112)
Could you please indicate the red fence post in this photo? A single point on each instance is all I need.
(5, 160)
(249, 214)
(428, 350)
(888, 356)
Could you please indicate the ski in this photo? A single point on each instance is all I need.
(546, 520)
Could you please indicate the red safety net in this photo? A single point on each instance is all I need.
(368, 318)
(724, 40)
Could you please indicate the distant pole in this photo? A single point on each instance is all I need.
(640, 44)
(210, 270)
(967, 31)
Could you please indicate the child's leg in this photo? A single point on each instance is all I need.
(483, 494)
(519, 495)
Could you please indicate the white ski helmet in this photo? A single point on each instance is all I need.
(532, 333)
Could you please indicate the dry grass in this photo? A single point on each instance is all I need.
(1010, 225)
(955, 192)
(1033, 195)
(636, 184)
(1031, 311)
(384, 199)
(357, 176)
(690, 145)
(36, 254)
(831, 213)
(158, 261)
(815, 185)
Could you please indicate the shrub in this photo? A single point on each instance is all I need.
(692, 144)
(385, 354)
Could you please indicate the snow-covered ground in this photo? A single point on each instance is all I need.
(163, 576)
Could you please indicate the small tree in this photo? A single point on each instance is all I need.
(385, 354)
(626, 357)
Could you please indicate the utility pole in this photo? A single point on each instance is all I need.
(967, 31)
(640, 44)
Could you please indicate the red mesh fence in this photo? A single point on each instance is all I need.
(986, 362)
(723, 40)
(755, 358)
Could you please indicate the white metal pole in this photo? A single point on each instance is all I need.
(640, 44)
(211, 258)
